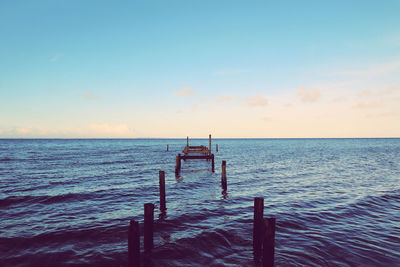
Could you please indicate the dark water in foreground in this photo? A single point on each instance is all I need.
(67, 202)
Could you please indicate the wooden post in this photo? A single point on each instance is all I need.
(187, 141)
(223, 176)
(148, 226)
(133, 244)
(161, 176)
(212, 162)
(178, 164)
(167, 147)
(268, 242)
(209, 143)
(258, 226)
(216, 147)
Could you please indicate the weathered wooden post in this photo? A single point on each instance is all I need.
(209, 143)
(133, 244)
(178, 164)
(216, 147)
(167, 147)
(161, 176)
(148, 226)
(187, 141)
(268, 242)
(258, 226)
(223, 176)
(212, 162)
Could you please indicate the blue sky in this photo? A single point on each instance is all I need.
(177, 68)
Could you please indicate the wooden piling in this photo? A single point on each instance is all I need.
(216, 147)
(167, 147)
(268, 242)
(223, 176)
(258, 226)
(148, 226)
(212, 163)
(161, 176)
(178, 164)
(187, 141)
(133, 244)
(209, 143)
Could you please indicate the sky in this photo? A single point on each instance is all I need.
(171, 69)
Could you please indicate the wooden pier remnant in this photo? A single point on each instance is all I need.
(223, 176)
(148, 226)
(258, 226)
(194, 152)
(133, 244)
(209, 142)
(167, 147)
(268, 242)
(163, 205)
(216, 147)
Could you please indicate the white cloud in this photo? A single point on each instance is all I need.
(224, 98)
(256, 101)
(184, 92)
(366, 105)
(308, 95)
(374, 70)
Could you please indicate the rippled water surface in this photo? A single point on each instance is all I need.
(66, 202)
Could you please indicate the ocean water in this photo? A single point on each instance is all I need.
(69, 202)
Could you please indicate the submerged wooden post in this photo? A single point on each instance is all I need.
(148, 226)
(223, 176)
(216, 147)
(268, 242)
(133, 244)
(167, 147)
(161, 176)
(212, 162)
(209, 143)
(258, 226)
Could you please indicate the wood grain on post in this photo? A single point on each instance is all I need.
(268, 242)
(148, 226)
(133, 244)
(258, 226)
(223, 176)
(161, 176)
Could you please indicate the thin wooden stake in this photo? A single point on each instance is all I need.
(216, 147)
(209, 143)
(268, 242)
(148, 226)
(187, 141)
(133, 244)
(161, 176)
(223, 176)
(258, 226)
(167, 147)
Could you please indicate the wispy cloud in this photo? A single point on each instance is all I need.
(90, 96)
(366, 105)
(55, 57)
(256, 101)
(184, 92)
(374, 70)
(224, 98)
(308, 95)
(230, 72)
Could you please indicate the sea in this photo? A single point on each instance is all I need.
(68, 202)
